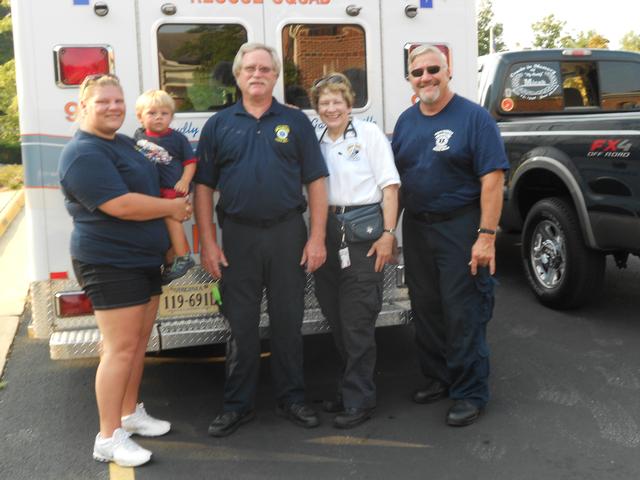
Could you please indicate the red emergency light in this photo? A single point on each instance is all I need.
(73, 64)
(72, 304)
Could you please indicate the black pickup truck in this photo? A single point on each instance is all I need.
(570, 120)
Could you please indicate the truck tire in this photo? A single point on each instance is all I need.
(561, 270)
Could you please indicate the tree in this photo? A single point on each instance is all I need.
(9, 130)
(484, 25)
(547, 32)
(6, 41)
(589, 39)
(630, 41)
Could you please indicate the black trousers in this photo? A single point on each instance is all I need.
(263, 257)
(451, 307)
(351, 300)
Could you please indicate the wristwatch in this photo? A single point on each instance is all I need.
(488, 231)
(391, 231)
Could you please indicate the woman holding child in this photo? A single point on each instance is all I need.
(117, 247)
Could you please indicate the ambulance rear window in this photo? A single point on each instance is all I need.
(195, 64)
(310, 51)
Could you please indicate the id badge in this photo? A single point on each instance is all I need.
(345, 261)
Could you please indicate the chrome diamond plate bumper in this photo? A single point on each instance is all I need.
(78, 337)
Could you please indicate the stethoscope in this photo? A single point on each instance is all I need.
(349, 130)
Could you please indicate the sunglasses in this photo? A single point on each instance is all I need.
(94, 77)
(327, 80)
(431, 70)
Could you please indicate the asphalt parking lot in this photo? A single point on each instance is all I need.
(565, 389)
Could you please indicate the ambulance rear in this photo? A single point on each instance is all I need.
(186, 47)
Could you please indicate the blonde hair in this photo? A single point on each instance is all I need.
(154, 98)
(91, 82)
(332, 83)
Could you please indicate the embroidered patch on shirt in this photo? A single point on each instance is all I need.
(442, 140)
(282, 133)
(353, 151)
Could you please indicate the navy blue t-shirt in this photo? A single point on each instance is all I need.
(179, 150)
(441, 158)
(94, 170)
(259, 165)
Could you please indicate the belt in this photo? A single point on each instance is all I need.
(339, 210)
(437, 217)
(265, 223)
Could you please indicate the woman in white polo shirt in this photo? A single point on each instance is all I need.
(349, 285)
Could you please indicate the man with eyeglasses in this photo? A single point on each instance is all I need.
(257, 155)
(452, 162)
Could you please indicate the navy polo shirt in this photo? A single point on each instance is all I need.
(94, 170)
(441, 158)
(178, 147)
(259, 165)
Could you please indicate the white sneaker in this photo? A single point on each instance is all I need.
(143, 424)
(120, 449)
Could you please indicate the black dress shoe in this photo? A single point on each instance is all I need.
(462, 412)
(228, 422)
(352, 417)
(333, 406)
(299, 414)
(431, 393)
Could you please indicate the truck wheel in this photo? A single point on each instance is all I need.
(560, 269)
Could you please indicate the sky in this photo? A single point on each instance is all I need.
(610, 18)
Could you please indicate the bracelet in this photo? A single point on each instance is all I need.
(391, 231)
(488, 231)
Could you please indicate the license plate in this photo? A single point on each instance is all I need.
(187, 300)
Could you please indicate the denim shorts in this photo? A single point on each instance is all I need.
(110, 287)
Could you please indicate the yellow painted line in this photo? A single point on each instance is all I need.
(121, 473)
(339, 440)
(205, 452)
(11, 210)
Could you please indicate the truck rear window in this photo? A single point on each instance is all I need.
(195, 63)
(546, 87)
(620, 85)
(310, 51)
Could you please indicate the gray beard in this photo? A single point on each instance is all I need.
(430, 100)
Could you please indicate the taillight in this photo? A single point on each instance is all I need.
(72, 304)
(75, 63)
(58, 275)
(576, 52)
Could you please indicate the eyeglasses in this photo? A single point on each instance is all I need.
(330, 79)
(431, 70)
(251, 69)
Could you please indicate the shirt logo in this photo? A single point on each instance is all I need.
(282, 133)
(154, 152)
(442, 140)
(353, 151)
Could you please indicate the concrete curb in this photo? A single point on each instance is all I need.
(9, 212)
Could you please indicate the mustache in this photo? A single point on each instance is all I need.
(429, 83)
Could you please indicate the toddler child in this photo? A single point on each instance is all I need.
(176, 164)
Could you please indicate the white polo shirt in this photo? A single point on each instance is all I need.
(360, 164)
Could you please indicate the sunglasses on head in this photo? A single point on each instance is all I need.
(94, 77)
(431, 70)
(329, 79)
